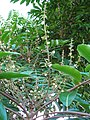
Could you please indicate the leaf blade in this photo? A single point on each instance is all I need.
(84, 51)
(3, 114)
(9, 75)
(3, 54)
(74, 73)
(67, 97)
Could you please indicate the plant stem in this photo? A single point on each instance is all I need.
(46, 104)
(76, 86)
(56, 97)
(14, 112)
(45, 30)
(15, 101)
(66, 112)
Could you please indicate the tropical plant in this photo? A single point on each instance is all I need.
(38, 73)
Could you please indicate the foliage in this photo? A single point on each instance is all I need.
(67, 97)
(3, 115)
(3, 54)
(37, 67)
(84, 51)
(27, 1)
(68, 19)
(75, 74)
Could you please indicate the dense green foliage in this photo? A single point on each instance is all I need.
(44, 59)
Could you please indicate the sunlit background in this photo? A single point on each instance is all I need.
(6, 6)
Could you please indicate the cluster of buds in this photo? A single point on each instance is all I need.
(71, 52)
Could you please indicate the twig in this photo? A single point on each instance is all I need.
(46, 104)
(65, 112)
(85, 82)
(14, 112)
(76, 86)
(72, 112)
(56, 117)
(15, 101)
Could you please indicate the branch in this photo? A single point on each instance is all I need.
(65, 112)
(76, 86)
(46, 104)
(54, 117)
(15, 101)
(72, 112)
(14, 112)
(71, 89)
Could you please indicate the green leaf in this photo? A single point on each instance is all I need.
(85, 73)
(3, 54)
(42, 85)
(22, 1)
(36, 7)
(27, 2)
(67, 97)
(3, 114)
(9, 75)
(84, 51)
(29, 85)
(14, 1)
(57, 42)
(4, 35)
(13, 27)
(87, 68)
(6, 39)
(32, 1)
(6, 102)
(74, 73)
(83, 103)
